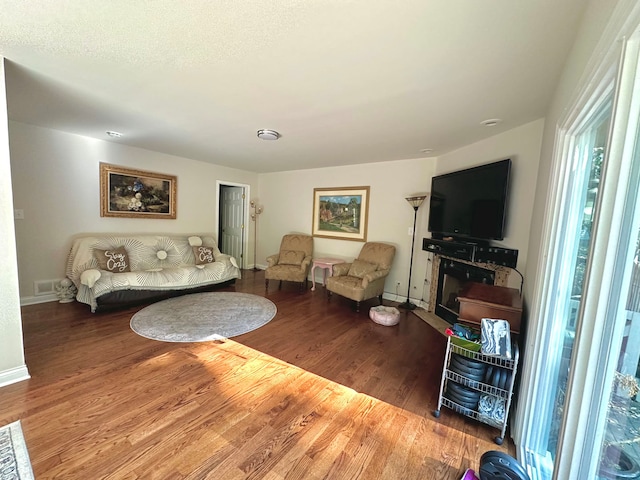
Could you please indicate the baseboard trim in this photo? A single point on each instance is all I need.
(392, 297)
(14, 375)
(39, 299)
(52, 298)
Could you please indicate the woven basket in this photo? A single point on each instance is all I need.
(387, 316)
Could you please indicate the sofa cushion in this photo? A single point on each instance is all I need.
(291, 257)
(359, 268)
(113, 260)
(203, 255)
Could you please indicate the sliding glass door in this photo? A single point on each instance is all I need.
(581, 188)
(582, 417)
(619, 441)
(577, 195)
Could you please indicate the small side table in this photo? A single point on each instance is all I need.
(325, 264)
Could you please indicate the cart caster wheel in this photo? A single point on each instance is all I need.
(499, 440)
(436, 413)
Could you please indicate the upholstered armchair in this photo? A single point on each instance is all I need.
(292, 262)
(364, 277)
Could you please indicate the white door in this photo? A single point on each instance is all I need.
(231, 221)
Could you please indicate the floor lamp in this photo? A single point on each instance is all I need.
(415, 202)
(257, 210)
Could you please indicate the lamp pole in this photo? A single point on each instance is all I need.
(257, 210)
(415, 202)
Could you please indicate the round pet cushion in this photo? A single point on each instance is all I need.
(387, 316)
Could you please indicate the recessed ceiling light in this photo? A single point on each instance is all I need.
(267, 134)
(492, 122)
(426, 150)
(111, 133)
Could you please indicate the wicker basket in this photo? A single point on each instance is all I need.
(387, 316)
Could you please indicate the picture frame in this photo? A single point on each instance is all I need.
(341, 213)
(130, 193)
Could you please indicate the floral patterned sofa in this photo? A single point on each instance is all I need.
(115, 270)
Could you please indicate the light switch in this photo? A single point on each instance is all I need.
(18, 214)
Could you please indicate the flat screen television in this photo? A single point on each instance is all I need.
(471, 204)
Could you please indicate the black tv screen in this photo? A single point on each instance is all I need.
(470, 204)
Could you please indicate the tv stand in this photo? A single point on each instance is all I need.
(473, 252)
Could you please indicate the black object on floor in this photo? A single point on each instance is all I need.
(495, 465)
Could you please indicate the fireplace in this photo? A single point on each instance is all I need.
(451, 275)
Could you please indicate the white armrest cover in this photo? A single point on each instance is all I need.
(90, 277)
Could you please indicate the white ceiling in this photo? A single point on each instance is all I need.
(343, 81)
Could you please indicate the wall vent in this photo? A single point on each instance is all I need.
(45, 287)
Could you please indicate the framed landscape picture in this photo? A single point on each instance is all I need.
(125, 192)
(341, 213)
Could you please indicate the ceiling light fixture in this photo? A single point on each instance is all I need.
(266, 134)
(426, 150)
(492, 122)
(111, 133)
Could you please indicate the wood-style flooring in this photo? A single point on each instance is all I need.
(319, 392)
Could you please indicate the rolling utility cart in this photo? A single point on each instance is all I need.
(477, 385)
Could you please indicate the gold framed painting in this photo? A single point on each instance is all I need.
(341, 213)
(125, 192)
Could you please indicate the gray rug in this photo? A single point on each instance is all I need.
(201, 317)
(14, 457)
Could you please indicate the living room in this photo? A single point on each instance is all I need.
(55, 181)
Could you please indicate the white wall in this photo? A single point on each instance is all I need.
(522, 145)
(288, 203)
(56, 182)
(12, 363)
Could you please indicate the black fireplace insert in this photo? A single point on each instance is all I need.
(453, 276)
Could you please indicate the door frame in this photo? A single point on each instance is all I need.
(245, 215)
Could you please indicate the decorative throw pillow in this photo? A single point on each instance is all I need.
(113, 260)
(203, 255)
(359, 268)
(291, 257)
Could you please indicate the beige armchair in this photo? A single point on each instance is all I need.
(364, 277)
(292, 262)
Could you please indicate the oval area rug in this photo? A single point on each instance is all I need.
(200, 317)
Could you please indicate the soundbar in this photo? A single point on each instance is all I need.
(472, 252)
(460, 250)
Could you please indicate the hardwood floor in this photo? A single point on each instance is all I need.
(319, 392)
